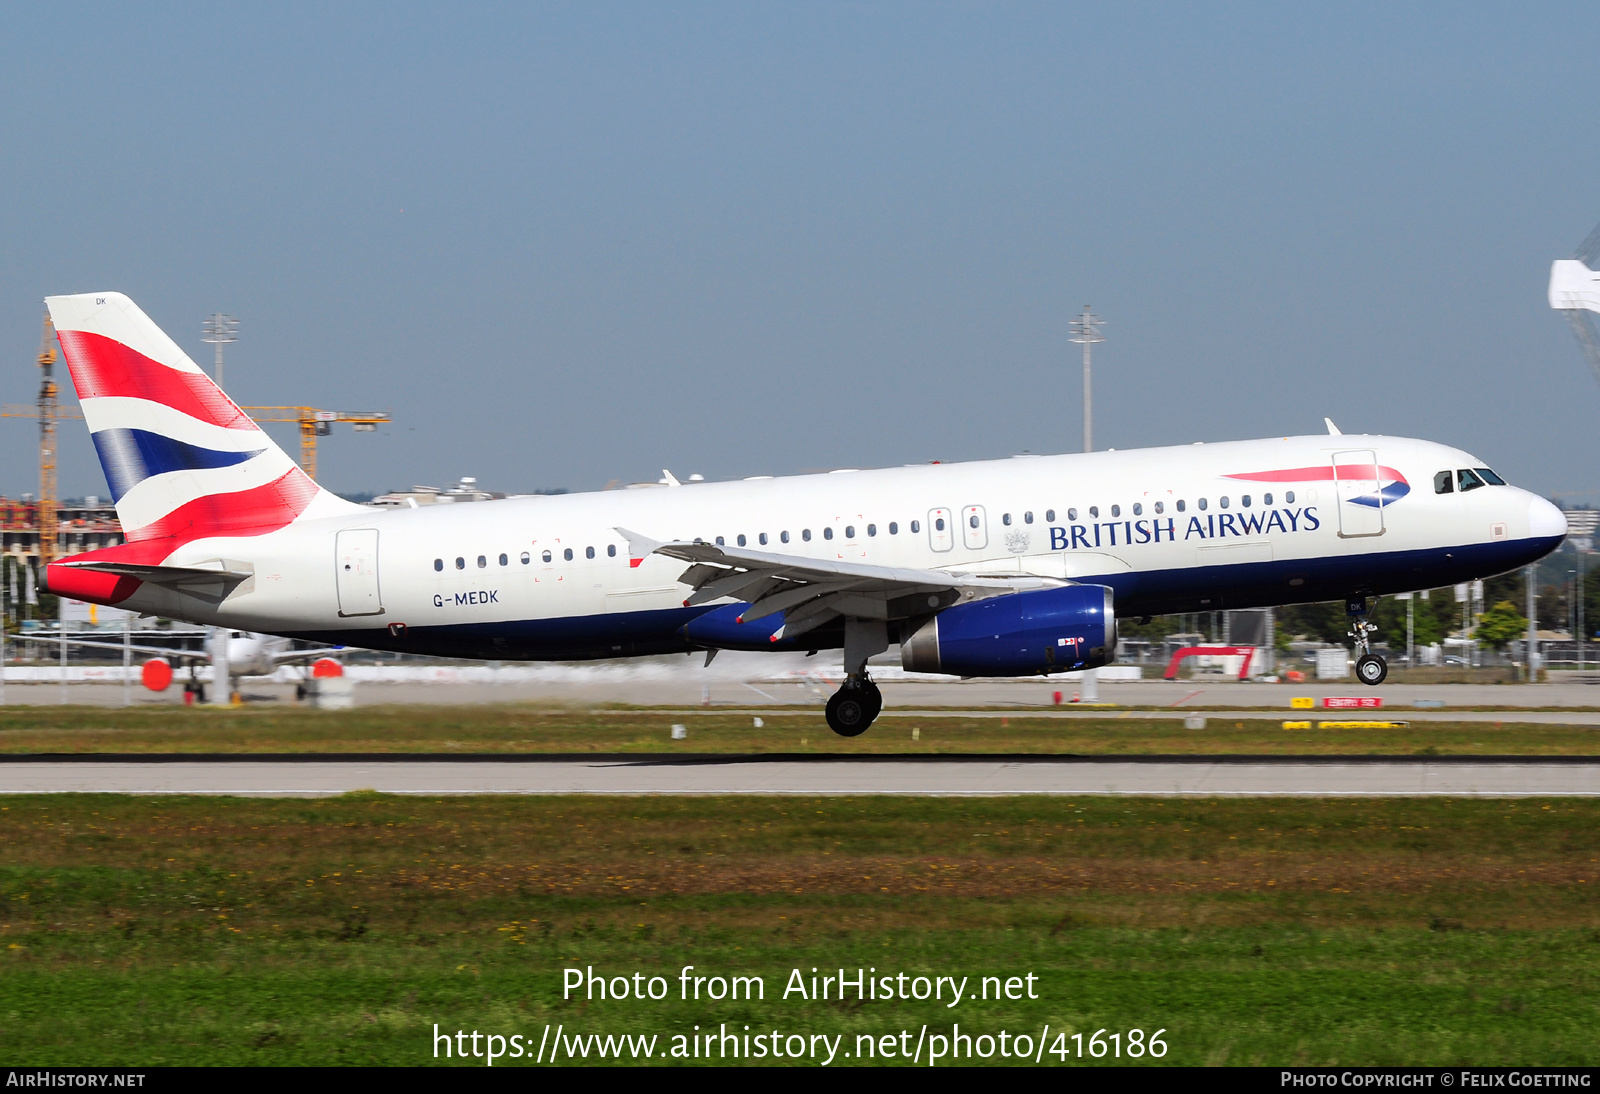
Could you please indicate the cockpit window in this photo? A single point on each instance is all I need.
(1489, 476)
(1468, 480)
(1444, 483)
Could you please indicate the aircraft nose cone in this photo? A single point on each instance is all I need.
(1545, 521)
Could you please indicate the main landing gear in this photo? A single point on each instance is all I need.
(857, 704)
(1371, 669)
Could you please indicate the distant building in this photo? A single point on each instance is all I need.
(464, 490)
(84, 525)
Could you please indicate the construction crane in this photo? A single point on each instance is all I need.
(315, 423)
(47, 412)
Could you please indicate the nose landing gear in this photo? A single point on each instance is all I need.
(1371, 669)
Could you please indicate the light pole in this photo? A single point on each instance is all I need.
(219, 330)
(1531, 655)
(1086, 332)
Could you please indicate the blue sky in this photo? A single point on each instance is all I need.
(566, 244)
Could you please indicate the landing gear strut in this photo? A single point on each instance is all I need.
(1371, 669)
(858, 703)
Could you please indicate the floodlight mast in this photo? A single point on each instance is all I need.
(1086, 331)
(219, 330)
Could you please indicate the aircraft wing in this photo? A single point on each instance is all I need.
(810, 591)
(154, 651)
(289, 657)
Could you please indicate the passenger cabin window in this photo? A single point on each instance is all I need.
(1467, 480)
(783, 536)
(567, 554)
(504, 560)
(872, 530)
(1202, 504)
(1072, 514)
(849, 531)
(762, 538)
(894, 528)
(545, 556)
(483, 561)
(1223, 501)
(740, 540)
(611, 551)
(827, 533)
(1116, 510)
(1182, 505)
(1490, 477)
(916, 526)
(805, 534)
(438, 564)
(1094, 511)
(461, 563)
(719, 544)
(1244, 502)
(1049, 516)
(588, 552)
(1160, 508)
(526, 558)
(1137, 509)
(1027, 518)
(1266, 499)
(1004, 519)
(1288, 497)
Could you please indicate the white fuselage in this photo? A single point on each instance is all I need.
(1169, 529)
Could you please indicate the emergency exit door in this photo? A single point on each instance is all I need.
(1358, 484)
(356, 571)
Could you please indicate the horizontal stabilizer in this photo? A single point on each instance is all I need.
(163, 575)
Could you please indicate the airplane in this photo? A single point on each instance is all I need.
(247, 654)
(1010, 567)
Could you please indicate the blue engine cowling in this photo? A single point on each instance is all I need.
(1019, 634)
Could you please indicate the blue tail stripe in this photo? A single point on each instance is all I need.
(129, 456)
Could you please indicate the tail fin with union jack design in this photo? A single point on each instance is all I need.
(181, 460)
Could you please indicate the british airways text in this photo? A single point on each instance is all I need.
(1123, 533)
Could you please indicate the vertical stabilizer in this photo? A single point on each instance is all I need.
(181, 460)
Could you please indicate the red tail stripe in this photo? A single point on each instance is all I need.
(1347, 472)
(252, 512)
(103, 367)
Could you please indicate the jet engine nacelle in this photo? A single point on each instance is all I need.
(1019, 634)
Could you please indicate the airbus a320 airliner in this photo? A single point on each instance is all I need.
(1007, 567)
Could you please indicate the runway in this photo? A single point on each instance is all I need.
(319, 776)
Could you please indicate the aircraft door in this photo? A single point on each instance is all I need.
(356, 561)
(1359, 489)
(940, 534)
(974, 528)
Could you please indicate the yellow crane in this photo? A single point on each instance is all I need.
(47, 412)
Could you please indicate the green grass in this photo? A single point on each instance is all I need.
(245, 931)
(527, 728)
